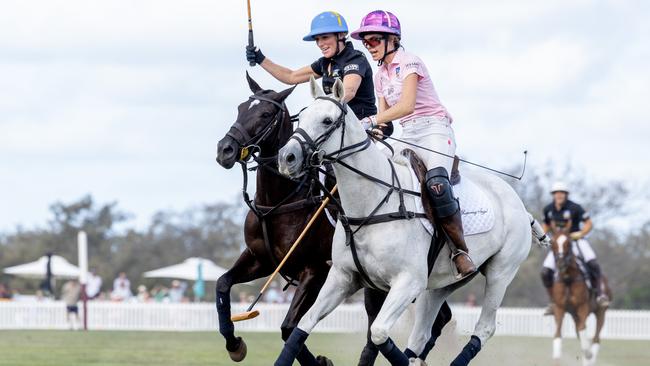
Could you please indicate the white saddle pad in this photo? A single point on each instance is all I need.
(477, 210)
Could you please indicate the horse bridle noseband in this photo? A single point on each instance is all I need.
(238, 133)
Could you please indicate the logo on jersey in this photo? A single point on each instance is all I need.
(351, 67)
(336, 73)
(566, 214)
(397, 69)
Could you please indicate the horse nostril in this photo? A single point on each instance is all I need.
(291, 158)
(228, 150)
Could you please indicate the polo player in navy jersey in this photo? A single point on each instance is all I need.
(562, 212)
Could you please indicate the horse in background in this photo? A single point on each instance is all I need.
(572, 294)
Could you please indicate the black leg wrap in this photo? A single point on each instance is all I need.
(226, 327)
(304, 357)
(410, 354)
(442, 196)
(547, 277)
(292, 347)
(594, 269)
(368, 355)
(443, 317)
(396, 357)
(468, 353)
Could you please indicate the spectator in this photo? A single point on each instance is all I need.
(470, 301)
(273, 294)
(243, 297)
(71, 292)
(121, 288)
(93, 285)
(5, 292)
(143, 294)
(177, 291)
(159, 293)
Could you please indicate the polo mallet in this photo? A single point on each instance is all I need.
(250, 313)
(250, 30)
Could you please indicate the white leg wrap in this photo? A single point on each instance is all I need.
(557, 348)
(585, 343)
(595, 348)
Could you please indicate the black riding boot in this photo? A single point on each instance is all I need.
(547, 280)
(596, 278)
(447, 212)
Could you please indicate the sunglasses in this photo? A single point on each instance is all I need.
(372, 41)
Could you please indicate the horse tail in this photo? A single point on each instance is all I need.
(538, 233)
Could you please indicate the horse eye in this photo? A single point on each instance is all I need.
(328, 121)
(266, 114)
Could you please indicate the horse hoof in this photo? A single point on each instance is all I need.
(416, 362)
(324, 361)
(240, 353)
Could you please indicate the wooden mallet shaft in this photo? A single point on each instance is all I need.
(250, 313)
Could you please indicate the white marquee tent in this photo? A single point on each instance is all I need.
(60, 268)
(188, 270)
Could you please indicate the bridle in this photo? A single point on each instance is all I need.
(564, 258)
(249, 144)
(315, 156)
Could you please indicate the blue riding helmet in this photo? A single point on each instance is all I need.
(324, 23)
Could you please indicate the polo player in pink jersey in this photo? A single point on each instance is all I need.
(406, 92)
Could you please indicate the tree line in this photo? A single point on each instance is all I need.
(214, 231)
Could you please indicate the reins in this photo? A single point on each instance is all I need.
(466, 161)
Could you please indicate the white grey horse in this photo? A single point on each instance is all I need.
(393, 254)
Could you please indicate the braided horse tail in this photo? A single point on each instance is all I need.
(540, 237)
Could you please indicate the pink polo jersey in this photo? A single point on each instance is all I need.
(388, 84)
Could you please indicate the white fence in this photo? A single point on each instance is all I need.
(619, 324)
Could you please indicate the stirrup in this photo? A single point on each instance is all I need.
(457, 274)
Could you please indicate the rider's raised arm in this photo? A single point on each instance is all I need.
(286, 75)
(406, 103)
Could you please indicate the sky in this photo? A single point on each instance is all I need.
(126, 100)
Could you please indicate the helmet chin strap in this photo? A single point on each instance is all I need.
(338, 42)
(386, 51)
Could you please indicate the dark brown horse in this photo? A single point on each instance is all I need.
(572, 295)
(279, 212)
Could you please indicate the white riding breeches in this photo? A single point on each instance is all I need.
(434, 133)
(588, 253)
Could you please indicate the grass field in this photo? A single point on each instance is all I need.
(36, 348)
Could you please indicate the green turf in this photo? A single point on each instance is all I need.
(22, 348)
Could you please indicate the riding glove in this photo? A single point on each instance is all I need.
(369, 122)
(254, 54)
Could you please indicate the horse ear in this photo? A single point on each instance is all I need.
(285, 93)
(316, 90)
(338, 90)
(252, 84)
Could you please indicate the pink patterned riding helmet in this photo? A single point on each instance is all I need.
(378, 21)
